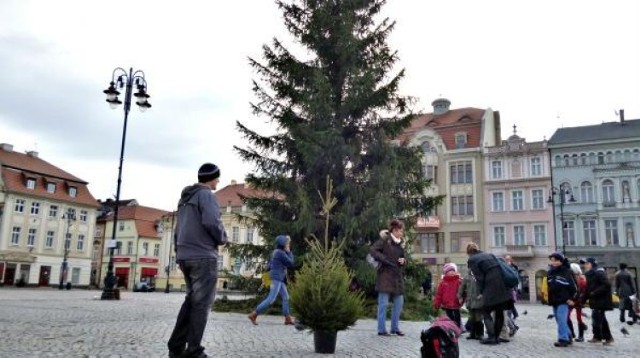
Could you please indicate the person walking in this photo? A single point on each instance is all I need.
(624, 290)
(562, 294)
(198, 234)
(514, 312)
(495, 296)
(281, 260)
(447, 293)
(389, 252)
(581, 283)
(468, 294)
(599, 296)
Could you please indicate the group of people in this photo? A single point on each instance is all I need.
(569, 289)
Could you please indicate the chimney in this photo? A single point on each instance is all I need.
(622, 116)
(233, 182)
(440, 106)
(32, 153)
(6, 147)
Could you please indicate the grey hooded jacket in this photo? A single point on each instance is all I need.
(199, 230)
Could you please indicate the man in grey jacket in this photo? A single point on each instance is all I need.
(199, 232)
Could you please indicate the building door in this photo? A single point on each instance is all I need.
(525, 295)
(45, 273)
(10, 274)
(122, 273)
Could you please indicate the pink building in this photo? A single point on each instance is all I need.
(518, 220)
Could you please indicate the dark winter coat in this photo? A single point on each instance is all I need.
(486, 269)
(561, 285)
(624, 284)
(390, 277)
(447, 294)
(598, 289)
(468, 292)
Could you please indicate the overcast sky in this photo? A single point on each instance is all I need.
(543, 64)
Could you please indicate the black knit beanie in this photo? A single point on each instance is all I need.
(209, 170)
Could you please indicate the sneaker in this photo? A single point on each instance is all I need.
(398, 333)
(579, 339)
(608, 342)
(386, 334)
(561, 343)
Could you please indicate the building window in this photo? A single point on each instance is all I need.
(589, 230)
(496, 169)
(75, 276)
(518, 235)
(67, 241)
(48, 243)
(118, 249)
(626, 192)
(461, 140)
(497, 201)
(31, 237)
(567, 160)
(611, 232)
(461, 173)
(235, 234)
(156, 250)
(558, 161)
(129, 248)
(517, 200)
(600, 158)
(498, 236)
(430, 172)
(31, 184)
(53, 211)
(431, 243)
(73, 191)
(51, 188)
(221, 262)
(19, 207)
(35, 208)
(462, 205)
(586, 192)
(570, 233)
(540, 235)
(250, 235)
(83, 215)
(121, 226)
(80, 245)
(460, 240)
(608, 193)
(15, 235)
(537, 199)
(583, 159)
(427, 147)
(145, 249)
(536, 166)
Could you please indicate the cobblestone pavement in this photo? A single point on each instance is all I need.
(52, 323)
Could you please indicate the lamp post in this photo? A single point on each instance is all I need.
(69, 215)
(173, 215)
(562, 193)
(121, 79)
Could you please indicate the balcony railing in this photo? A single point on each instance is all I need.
(520, 250)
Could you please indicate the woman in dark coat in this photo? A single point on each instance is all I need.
(494, 294)
(625, 289)
(599, 296)
(389, 252)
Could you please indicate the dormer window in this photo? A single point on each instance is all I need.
(461, 140)
(31, 183)
(51, 188)
(73, 191)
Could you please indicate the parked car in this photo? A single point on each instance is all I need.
(143, 287)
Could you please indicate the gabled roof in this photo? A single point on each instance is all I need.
(467, 120)
(16, 168)
(231, 194)
(599, 132)
(146, 218)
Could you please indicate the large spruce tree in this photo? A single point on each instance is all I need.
(336, 114)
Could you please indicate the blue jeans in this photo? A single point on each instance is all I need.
(383, 301)
(200, 277)
(277, 287)
(561, 313)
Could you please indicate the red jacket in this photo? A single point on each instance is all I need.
(582, 290)
(447, 294)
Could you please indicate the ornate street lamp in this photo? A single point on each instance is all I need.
(69, 216)
(562, 193)
(121, 79)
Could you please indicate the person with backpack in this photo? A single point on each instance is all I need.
(281, 260)
(581, 283)
(562, 294)
(468, 292)
(388, 251)
(493, 291)
(600, 300)
(624, 290)
(447, 293)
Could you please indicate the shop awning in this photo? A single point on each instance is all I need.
(148, 271)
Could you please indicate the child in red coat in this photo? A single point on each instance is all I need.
(447, 294)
